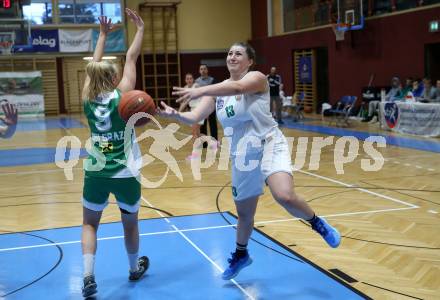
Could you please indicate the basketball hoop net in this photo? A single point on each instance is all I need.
(339, 30)
(5, 47)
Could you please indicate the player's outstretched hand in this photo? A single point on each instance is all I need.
(105, 25)
(167, 111)
(135, 18)
(11, 114)
(186, 94)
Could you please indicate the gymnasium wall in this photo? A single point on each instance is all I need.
(206, 29)
(259, 19)
(190, 64)
(388, 46)
(208, 24)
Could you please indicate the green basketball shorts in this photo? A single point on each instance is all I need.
(96, 191)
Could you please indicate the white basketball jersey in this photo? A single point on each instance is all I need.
(248, 115)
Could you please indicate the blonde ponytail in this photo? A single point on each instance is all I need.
(101, 76)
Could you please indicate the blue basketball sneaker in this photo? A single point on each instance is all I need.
(236, 264)
(330, 234)
(143, 264)
(90, 286)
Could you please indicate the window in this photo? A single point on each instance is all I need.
(85, 12)
(381, 7)
(38, 11)
(289, 15)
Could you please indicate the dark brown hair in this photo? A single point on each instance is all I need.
(249, 51)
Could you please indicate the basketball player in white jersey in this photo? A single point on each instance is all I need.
(243, 104)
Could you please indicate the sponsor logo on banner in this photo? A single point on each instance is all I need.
(391, 112)
(24, 90)
(45, 40)
(75, 40)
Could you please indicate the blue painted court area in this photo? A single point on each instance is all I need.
(404, 142)
(46, 124)
(183, 252)
(31, 156)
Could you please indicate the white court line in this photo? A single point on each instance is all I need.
(76, 182)
(202, 228)
(337, 215)
(38, 171)
(198, 249)
(81, 169)
(358, 188)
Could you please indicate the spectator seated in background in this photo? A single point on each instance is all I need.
(417, 89)
(370, 93)
(429, 92)
(296, 106)
(288, 103)
(394, 94)
(8, 124)
(437, 93)
(408, 86)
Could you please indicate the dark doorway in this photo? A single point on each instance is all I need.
(322, 77)
(432, 61)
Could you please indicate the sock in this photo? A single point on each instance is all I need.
(313, 220)
(133, 261)
(89, 264)
(241, 250)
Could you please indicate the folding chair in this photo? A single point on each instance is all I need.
(343, 109)
(324, 108)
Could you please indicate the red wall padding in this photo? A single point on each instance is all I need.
(259, 18)
(388, 46)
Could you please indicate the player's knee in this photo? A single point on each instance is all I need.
(286, 198)
(90, 225)
(130, 226)
(245, 216)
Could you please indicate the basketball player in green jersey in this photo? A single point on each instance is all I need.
(104, 174)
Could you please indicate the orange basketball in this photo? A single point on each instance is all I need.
(136, 101)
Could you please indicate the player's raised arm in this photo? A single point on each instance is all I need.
(105, 26)
(252, 82)
(201, 112)
(128, 80)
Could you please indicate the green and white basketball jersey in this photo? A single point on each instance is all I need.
(248, 115)
(107, 129)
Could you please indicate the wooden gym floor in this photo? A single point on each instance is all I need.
(389, 218)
